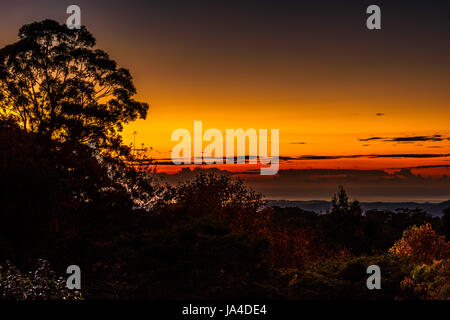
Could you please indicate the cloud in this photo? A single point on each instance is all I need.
(308, 184)
(433, 138)
(312, 157)
(297, 143)
(390, 155)
(431, 166)
(235, 159)
(371, 139)
(411, 155)
(380, 114)
(165, 161)
(436, 137)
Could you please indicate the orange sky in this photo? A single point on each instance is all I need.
(326, 109)
(313, 71)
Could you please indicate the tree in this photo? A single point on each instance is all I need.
(446, 223)
(53, 82)
(422, 245)
(342, 206)
(56, 199)
(219, 196)
(342, 226)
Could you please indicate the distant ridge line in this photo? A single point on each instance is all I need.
(322, 206)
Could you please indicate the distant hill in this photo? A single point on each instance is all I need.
(320, 206)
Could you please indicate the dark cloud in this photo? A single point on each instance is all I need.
(364, 185)
(380, 114)
(431, 166)
(287, 158)
(165, 161)
(160, 163)
(371, 139)
(436, 137)
(312, 157)
(297, 143)
(394, 155)
(433, 138)
(411, 155)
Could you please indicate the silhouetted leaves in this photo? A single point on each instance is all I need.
(53, 81)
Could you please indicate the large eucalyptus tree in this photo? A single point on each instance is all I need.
(53, 81)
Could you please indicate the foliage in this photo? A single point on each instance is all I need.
(342, 206)
(295, 248)
(343, 226)
(422, 245)
(54, 195)
(446, 223)
(53, 81)
(345, 278)
(429, 282)
(198, 259)
(42, 283)
(217, 196)
(382, 228)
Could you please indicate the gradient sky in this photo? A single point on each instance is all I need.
(347, 101)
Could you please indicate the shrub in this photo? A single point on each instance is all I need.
(430, 282)
(199, 259)
(39, 284)
(345, 278)
(422, 245)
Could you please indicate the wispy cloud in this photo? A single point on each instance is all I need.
(165, 161)
(388, 155)
(371, 139)
(432, 138)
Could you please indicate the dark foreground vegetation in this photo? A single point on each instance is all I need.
(206, 238)
(72, 194)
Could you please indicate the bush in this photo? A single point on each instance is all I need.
(39, 284)
(345, 278)
(199, 259)
(218, 197)
(422, 245)
(429, 281)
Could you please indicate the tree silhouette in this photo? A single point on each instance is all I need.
(343, 224)
(53, 82)
(342, 206)
(446, 223)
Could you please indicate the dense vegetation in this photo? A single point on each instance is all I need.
(70, 193)
(206, 238)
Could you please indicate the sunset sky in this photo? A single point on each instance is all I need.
(366, 109)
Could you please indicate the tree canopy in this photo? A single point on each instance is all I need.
(53, 81)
